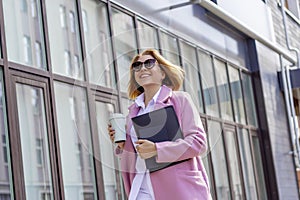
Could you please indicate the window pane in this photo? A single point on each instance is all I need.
(237, 96)
(234, 165)
(5, 164)
(109, 166)
(247, 164)
(21, 38)
(34, 141)
(125, 43)
(191, 81)
(64, 38)
(97, 43)
(223, 90)
(216, 148)
(75, 141)
(147, 36)
(208, 84)
(249, 99)
(169, 48)
(259, 169)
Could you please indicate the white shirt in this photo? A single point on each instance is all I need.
(141, 188)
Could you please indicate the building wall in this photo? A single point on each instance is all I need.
(280, 140)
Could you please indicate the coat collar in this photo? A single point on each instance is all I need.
(164, 95)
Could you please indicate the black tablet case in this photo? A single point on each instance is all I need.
(158, 126)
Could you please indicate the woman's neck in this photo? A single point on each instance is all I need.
(150, 91)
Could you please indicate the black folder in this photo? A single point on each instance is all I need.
(158, 126)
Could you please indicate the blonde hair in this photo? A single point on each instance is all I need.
(173, 79)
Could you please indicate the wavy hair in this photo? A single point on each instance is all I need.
(173, 79)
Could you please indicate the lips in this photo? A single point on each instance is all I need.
(144, 75)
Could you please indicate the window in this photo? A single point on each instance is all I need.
(74, 140)
(216, 147)
(20, 38)
(39, 151)
(223, 89)
(4, 145)
(237, 95)
(147, 35)
(98, 47)
(27, 50)
(72, 21)
(125, 42)
(293, 7)
(33, 134)
(169, 48)
(192, 74)
(38, 55)
(62, 16)
(64, 38)
(208, 84)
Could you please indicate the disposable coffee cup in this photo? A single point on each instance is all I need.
(117, 121)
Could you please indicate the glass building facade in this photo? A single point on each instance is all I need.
(64, 67)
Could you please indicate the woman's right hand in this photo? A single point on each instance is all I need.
(111, 133)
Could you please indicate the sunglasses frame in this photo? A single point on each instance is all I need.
(138, 65)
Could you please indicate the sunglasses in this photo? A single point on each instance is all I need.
(148, 64)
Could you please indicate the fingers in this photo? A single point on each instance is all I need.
(111, 132)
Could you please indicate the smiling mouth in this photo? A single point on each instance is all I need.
(144, 75)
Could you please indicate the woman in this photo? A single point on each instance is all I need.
(153, 84)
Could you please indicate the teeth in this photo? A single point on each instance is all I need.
(144, 75)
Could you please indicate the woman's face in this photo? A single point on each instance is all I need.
(148, 71)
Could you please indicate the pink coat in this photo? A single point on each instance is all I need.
(186, 180)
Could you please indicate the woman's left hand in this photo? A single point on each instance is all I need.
(146, 148)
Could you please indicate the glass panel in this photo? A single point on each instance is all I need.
(147, 36)
(64, 38)
(5, 163)
(75, 141)
(223, 90)
(237, 96)
(247, 164)
(169, 48)
(109, 167)
(208, 84)
(234, 165)
(259, 169)
(24, 32)
(97, 43)
(34, 141)
(125, 43)
(125, 104)
(216, 148)
(191, 81)
(249, 99)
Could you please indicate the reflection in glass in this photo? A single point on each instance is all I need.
(75, 141)
(237, 95)
(216, 148)
(97, 43)
(233, 163)
(64, 38)
(191, 81)
(6, 186)
(109, 165)
(147, 36)
(259, 169)
(249, 99)
(208, 84)
(23, 26)
(34, 141)
(247, 164)
(223, 90)
(169, 48)
(125, 42)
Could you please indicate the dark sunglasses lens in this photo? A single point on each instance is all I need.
(149, 63)
(137, 66)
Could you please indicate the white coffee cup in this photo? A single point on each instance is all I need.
(117, 121)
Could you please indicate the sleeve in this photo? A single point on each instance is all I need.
(194, 142)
